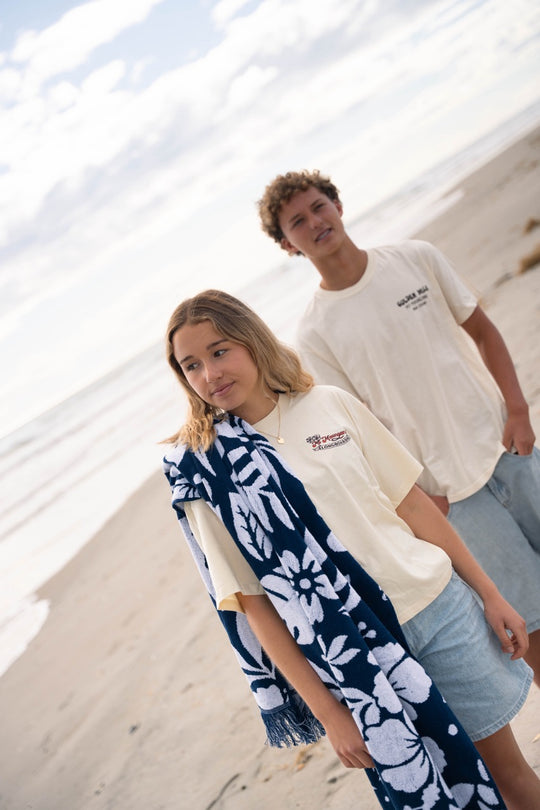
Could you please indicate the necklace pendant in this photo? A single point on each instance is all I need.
(280, 440)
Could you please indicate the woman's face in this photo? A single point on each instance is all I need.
(222, 372)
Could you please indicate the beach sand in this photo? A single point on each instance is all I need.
(130, 698)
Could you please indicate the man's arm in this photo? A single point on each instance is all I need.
(518, 431)
(427, 523)
(287, 656)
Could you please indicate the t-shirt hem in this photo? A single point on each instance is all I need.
(416, 608)
(229, 601)
(406, 486)
(480, 481)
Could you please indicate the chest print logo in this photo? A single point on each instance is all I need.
(415, 299)
(328, 441)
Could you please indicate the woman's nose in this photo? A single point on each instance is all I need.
(212, 372)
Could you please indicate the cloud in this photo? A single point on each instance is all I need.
(119, 195)
(246, 87)
(69, 42)
(225, 10)
(97, 166)
(57, 136)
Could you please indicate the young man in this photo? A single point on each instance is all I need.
(393, 325)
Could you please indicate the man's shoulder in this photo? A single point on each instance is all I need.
(407, 247)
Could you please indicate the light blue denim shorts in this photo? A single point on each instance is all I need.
(500, 524)
(462, 655)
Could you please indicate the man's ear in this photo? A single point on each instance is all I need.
(339, 207)
(289, 247)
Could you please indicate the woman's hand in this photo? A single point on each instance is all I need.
(346, 739)
(283, 650)
(502, 618)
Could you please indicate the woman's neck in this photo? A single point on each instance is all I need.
(257, 407)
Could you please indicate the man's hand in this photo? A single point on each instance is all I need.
(441, 502)
(518, 433)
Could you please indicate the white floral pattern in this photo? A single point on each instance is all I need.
(340, 618)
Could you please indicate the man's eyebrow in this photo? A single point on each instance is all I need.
(294, 216)
(311, 205)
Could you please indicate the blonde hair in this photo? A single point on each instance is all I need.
(282, 189)
(278, 365)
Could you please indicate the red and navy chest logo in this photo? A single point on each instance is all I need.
(328, 441)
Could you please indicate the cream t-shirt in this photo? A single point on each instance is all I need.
(356, 473)
(394, 340)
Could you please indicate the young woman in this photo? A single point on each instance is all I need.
(299, 508)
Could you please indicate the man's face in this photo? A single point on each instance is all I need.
(311, 223)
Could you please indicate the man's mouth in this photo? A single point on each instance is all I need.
(323, 234)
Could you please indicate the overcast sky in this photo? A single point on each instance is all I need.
(136, 135)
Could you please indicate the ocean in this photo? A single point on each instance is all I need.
(67, 471)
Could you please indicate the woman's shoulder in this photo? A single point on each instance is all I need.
(174, 456)
(325, 396)
(331, 393)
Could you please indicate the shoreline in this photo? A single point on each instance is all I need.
(129, 696)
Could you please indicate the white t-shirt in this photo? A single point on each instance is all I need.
(394, 340)
(356, 473)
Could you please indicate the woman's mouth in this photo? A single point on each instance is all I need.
(222, 390)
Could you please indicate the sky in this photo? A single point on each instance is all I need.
(136, 136)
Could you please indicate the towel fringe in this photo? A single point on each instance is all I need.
(291, 724)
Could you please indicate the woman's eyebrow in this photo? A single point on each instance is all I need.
(208, 348)
(216, 343)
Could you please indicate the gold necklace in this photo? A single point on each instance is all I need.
(279, 438)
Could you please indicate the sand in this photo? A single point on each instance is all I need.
(130, 697)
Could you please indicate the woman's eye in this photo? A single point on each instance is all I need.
(191, 366)
(219, 352)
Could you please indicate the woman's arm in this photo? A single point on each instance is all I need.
(427, 523)
(285, 653)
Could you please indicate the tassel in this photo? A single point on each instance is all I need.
(291, 724)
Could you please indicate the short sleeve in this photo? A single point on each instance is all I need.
(229, 570)
(461, 301)
(319, 360)
(395, 469)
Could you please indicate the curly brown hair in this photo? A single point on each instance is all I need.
(279, 366)
(280, 191)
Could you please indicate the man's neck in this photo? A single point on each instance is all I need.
(343, 268)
